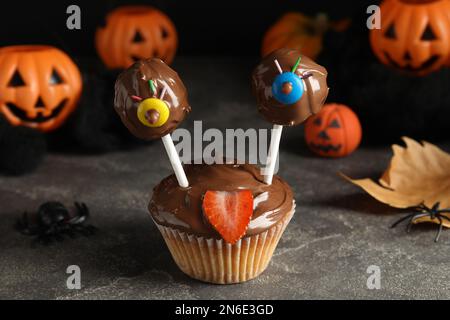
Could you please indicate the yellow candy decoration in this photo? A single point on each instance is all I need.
(153, 112)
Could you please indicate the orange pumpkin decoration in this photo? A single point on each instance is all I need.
(134, 33)
(414, 35)
(333, 132)
(300, 32)
(39, 86)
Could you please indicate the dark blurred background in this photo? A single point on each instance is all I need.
(204, 27)
(226, 36)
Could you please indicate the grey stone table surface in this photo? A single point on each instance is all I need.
(335, 235)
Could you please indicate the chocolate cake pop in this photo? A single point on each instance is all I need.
(289, 87)
(151, 99)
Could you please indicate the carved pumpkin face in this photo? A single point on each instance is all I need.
(135, 33)
(414, 35)
(39, 86)
(334, 132)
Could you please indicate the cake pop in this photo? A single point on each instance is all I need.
(288, 87)
(151, 100)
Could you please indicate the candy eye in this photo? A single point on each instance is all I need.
(287, 88)
(153, 112)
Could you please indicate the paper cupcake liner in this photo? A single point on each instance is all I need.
(216, 261)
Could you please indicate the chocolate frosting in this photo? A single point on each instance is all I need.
(316, 88)
(181, 208)
(134, 82)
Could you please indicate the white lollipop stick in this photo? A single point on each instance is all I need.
(174, 158)
(274, 145)
(175, 161)
(273, 153)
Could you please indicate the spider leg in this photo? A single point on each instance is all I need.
(444, 217)
(409, 225)
(440, 228)
(77, 217)
(85, 208)
(396, 223)
(82, 213)
(441, 218)
(82, 208)
(416, 216)
(435, 207)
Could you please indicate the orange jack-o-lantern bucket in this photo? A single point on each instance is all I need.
(414, 35)
(39, 86)
(134, 33)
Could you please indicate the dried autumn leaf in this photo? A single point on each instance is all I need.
(419, 174)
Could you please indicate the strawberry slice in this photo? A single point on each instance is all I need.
(229, 212)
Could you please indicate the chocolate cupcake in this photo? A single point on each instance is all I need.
(226, 225)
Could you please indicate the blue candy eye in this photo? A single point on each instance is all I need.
(287, 88)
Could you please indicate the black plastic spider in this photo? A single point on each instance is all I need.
(52, 221)
(423, 211)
